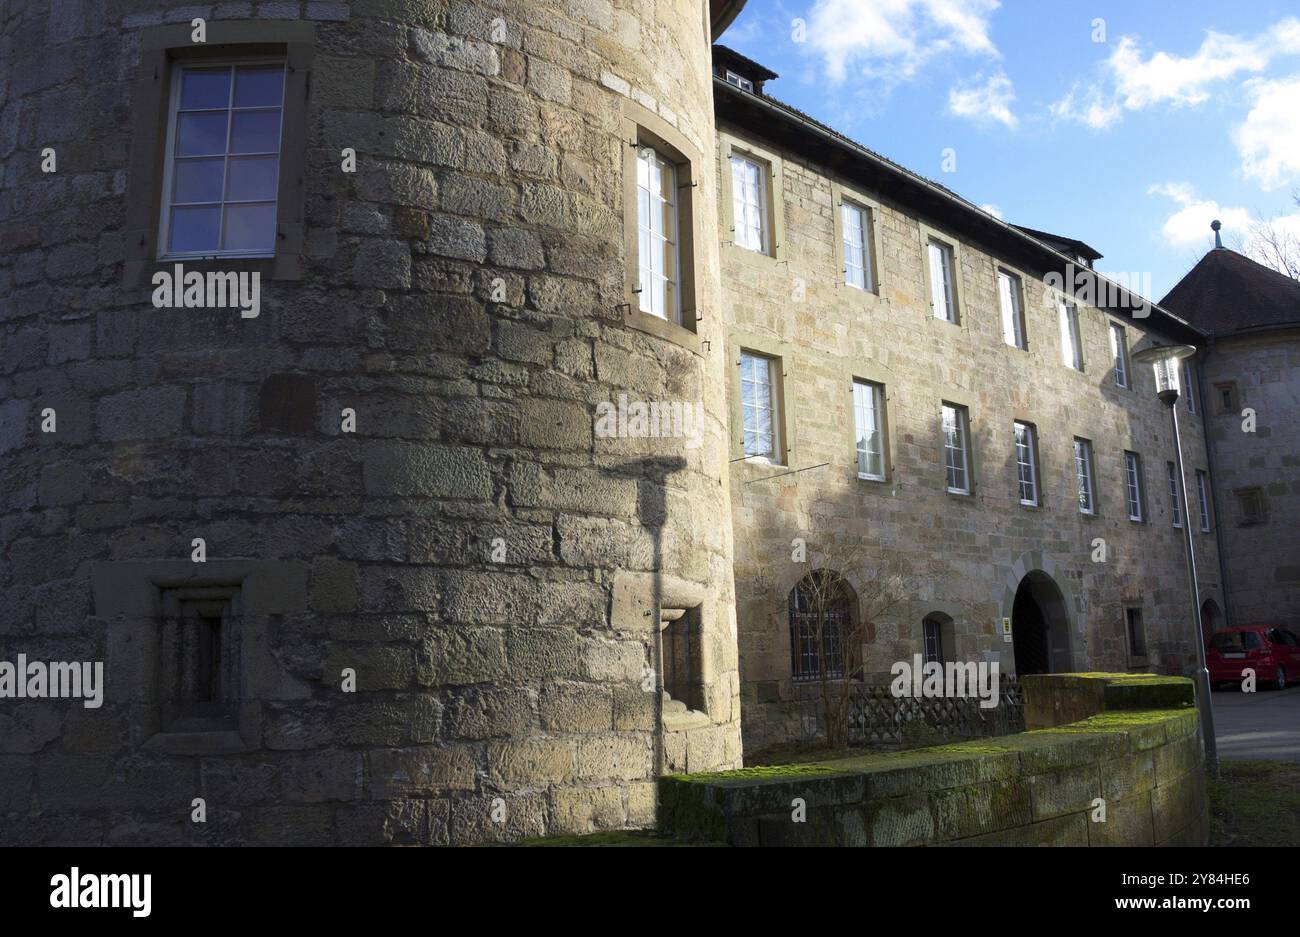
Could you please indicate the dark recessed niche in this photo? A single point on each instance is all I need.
(287, 404)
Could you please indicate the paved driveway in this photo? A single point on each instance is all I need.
(1264, 724)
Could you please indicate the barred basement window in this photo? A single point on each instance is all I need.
(821, 623)
(222, 170)
(199, 657)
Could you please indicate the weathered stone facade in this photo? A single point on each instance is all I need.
(452, 621)
(1262, 553)
(479, 559)
(968, 552)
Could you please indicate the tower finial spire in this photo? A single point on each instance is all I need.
(1215, 225)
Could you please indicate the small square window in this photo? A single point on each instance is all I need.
(222, 170)
(1250, 506)
(1226, 394)
(744, 84)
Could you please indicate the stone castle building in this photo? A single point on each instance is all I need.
(1250, 381)
(363, 553)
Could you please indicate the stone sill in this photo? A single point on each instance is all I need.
(197, 743)
(691, 719)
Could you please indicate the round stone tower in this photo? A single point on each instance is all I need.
(331, 425)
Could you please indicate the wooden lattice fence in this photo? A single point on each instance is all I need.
(877, 717)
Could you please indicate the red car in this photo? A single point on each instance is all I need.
(1272, 652)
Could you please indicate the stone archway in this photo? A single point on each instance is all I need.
(1040, 626)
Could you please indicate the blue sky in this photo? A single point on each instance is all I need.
(1187, 111)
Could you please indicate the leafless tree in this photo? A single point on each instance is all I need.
(844, 568)
(1274, 245)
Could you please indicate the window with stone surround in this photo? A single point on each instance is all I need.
(1203, 499)
(956, 448)
(218, 156)
(822, 612)
(1026, 438)
(1071, 349)
(1011, 299)
(1084, 479)
(943, 290)
(1250, 506)
(659, 227)
(760, 405)
(199, 659)
(869, 429)
(683, 671)
(1119, 354)
(749, 204)
(855, 230)
(1226, 392)
(1189, 382)
(222, 170)
(1133, 485)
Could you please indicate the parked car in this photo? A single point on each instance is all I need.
(1271, 651)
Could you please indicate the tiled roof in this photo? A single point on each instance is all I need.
(1227, 292)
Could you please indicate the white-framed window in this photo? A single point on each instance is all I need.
(1175, 502)
(868, 405)
(956, 451)
(760, 405)
(1027, 463)
(1189, 378)
(855, 221)
(222, 172)
(749, 201)
(1083, 476)
(1119, 354)
(1203, 499)
(942, 297)
(1071, 353)
(744, 84)
(1133, 481)
(657, 226)
(1011, 299)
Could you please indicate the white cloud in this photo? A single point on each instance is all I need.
(992, 210)
(984, 101)
(1132, 80)
(889, 40)
(1269, 138)
(1190, 224)
(1087, 106)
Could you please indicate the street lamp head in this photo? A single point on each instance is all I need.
(1165, 359)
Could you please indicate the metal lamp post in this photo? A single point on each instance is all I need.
(1167, 360)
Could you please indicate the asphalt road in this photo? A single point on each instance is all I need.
(1263, 724)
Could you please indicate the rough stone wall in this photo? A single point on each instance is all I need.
(967, 553)
(1263, 559)
(489, 159)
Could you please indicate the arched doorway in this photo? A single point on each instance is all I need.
(1211, 619)
(1040, 628)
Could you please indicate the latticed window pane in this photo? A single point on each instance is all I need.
(758, 405)
(820, 610)
(941, 298)
(657, 224)
(868, 428)
(856, 223)
(1013, 327)
(954, 449)
(1175, 502)
(748, 203)
(1026, 466)
(1203, 499)
(1083, 474)
(223, 160)
(1133, 473)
